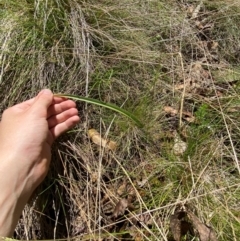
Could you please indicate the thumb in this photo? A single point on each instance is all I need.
(42, 102)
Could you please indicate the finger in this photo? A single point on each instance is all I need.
(57, 119)
(56, 109)
(60, 128)
(28, 103)
(41, 103)
(57, 100)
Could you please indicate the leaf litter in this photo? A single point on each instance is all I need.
(121, 207)
(184, 222)
(188, 116)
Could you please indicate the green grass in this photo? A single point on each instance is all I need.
(136, 55)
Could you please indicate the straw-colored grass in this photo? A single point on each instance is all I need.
(173, 65)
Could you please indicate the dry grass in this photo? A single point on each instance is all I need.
(144, 56)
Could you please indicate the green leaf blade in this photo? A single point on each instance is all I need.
(102, 104)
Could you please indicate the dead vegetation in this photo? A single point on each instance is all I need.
(174, 64)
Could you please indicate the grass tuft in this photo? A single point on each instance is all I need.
(142, 56)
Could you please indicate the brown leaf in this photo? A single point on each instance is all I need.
(190, 10)
(120, 208)
(196, 11)
(179, 226)
(170, 110)
(175, 225)
(205, 233)
(122, 188)
(199, 25)
(138, 237)
(212, 45)
(97, 139)
(179, 87)
(186, 114)
(233, 109)
(146, 219)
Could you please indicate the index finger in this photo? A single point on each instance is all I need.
(28, 103)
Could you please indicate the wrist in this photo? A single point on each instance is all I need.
(10, 212)
(12, 198)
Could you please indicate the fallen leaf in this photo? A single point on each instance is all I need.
(179, 226)
(190, 10)
(120, 208)
(98, 140)
(179, 87)
(138, 237)
(188, 116)
(146, 219)
(212, 45)
(175, 225)
(122, 205)
(170, 110)
(131, 193)
(199, 25)
(122, 188)
(196, 11)
(233, 109)
(205, 233)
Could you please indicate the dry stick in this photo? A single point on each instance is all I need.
(234, 234)
(3, 56)
(190, 165)
(56, 220)
(25, 228)
(98, 198)
(183, 93)
(85, 33)
(87, 63)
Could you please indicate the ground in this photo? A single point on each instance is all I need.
(175, 66)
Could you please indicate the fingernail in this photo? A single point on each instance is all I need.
(45, 92)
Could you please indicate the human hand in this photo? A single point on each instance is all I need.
(27, 131)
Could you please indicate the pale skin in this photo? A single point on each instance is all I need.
(27, 131)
